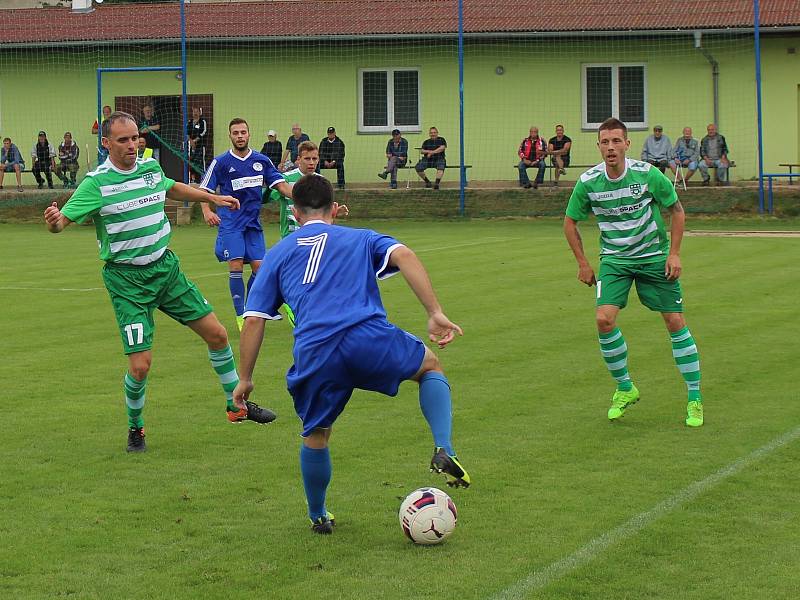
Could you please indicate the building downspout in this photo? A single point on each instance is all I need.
(698, 43)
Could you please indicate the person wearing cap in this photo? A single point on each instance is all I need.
(197, 128)
(67, 168)
(289, 157)
(657, 149)
(11, 160)
(331, 156)
(272, 148)
(397, 156)
(44, 160)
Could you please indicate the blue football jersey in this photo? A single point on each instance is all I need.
(328, 275)
(244, 179)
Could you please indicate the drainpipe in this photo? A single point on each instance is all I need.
(698, 43)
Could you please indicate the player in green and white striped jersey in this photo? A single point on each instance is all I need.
(125, 196)
(307, 161)
(626, 197)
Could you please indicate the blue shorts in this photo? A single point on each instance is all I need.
(248, 245)
(9, 167)
(374, 356)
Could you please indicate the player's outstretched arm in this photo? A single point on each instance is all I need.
(185, 193)
(56, 222)
(249, 344)
(440, 329)
(284, 188)
(585, 271)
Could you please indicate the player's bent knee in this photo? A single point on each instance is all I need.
(317, 439)
(430, 363)
(139, 365)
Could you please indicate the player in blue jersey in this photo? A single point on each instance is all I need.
(328, 275)
(242, 173)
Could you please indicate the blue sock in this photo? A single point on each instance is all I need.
(434, 400)
(315, 466)
(250, 281)
(236, 284)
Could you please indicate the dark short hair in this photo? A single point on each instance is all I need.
(312, 193)
(237, 121)
(612, 123)
(559, 125)
(113, 118)
(307, 146)
(6, 139)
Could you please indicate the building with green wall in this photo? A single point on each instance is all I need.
(279, 63)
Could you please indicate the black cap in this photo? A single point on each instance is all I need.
(43, 133)
(331, 130)
(395, 132)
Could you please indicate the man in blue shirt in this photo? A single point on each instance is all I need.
(396, 155)
(240, 172)
(328, 275)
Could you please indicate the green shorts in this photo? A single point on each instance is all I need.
(655, 291)
(136, 291)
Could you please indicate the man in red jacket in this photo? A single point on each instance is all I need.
(532, 151)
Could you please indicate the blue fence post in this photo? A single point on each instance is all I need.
(757, 33)
(462, 183)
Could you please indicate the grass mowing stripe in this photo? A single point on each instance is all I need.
(540, 579)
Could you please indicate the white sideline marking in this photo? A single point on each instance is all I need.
(540, 579)
(91, 289)
(41, 289)
(488, 240)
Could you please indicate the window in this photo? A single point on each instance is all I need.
(615, 91)
(388, 99)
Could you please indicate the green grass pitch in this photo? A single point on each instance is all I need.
(214, 510)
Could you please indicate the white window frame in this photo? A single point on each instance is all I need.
(389, 101)
(614, 94)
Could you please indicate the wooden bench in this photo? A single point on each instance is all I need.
(413, 167)
(791, 166)
(551, 168)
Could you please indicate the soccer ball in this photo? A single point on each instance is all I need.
(428, 516)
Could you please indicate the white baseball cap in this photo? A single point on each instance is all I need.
(272, 132)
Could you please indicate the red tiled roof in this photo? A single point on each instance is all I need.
(314, 18)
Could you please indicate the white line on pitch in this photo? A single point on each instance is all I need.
(544, 577)
(91, 289)
(488, 240)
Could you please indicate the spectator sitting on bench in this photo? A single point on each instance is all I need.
(558, 148)
(11, 160)
(531, 152)
(289, 158)
(397, 156)
(331, 156)
(272, 148)
(67, 168)
(44, 160)
(714, 153)
(657, 149)
(686, 153)
(433, 157)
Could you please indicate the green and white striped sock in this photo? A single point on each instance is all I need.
(615, 353)
(684, 351)
(134, 400)
(224, 365)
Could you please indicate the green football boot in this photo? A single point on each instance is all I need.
(694, 413)
(621, 401)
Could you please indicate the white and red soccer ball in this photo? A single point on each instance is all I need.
(428, 516)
